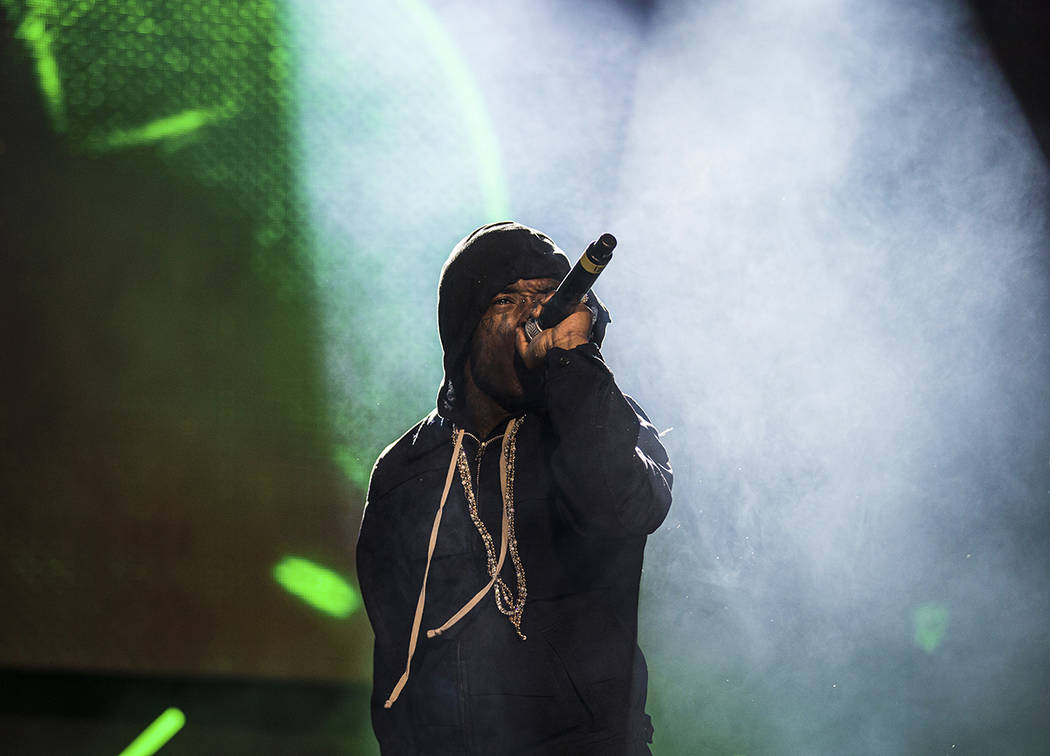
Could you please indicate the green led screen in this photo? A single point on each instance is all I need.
(206, 83)
(208, 207)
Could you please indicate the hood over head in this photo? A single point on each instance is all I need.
(479, 267)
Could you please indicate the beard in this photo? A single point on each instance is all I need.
(499, 372)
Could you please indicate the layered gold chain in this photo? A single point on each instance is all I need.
(513, 608)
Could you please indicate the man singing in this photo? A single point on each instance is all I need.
(501, 545)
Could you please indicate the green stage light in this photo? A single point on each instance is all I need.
(357, 469)
(931, 623)
(472, 107)
(399, 158)
(318, 586)
(38, 38)
(157, 734)
(176, 125)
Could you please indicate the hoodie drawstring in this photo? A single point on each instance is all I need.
(514, 612)
(505, 526)
(423, 590)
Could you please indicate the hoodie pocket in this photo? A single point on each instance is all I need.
(519, 695)
(598, 660)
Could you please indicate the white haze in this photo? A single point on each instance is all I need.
(832, 283)
(844, 219)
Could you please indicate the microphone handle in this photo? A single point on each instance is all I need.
(580, 279)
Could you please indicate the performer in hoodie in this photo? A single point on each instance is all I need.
(501, 545)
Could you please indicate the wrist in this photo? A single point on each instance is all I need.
(569, 341)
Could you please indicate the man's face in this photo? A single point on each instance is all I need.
(495, 365)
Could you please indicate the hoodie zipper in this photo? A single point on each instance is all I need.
(467, 718)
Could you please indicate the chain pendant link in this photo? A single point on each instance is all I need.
(513, 608)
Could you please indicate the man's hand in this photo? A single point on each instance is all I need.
(568, 334)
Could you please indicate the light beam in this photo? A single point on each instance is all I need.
(154, 737)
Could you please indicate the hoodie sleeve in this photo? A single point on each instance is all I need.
(383, 578)
(609, 461)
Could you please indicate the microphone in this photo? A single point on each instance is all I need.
(574, 287)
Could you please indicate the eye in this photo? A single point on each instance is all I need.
(503, 300)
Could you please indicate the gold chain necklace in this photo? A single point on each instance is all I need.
(505, 601)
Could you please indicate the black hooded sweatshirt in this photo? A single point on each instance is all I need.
(591, 481)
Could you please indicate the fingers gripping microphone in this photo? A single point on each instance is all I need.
(574, 286)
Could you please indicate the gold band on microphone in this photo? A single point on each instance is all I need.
(590, 266)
